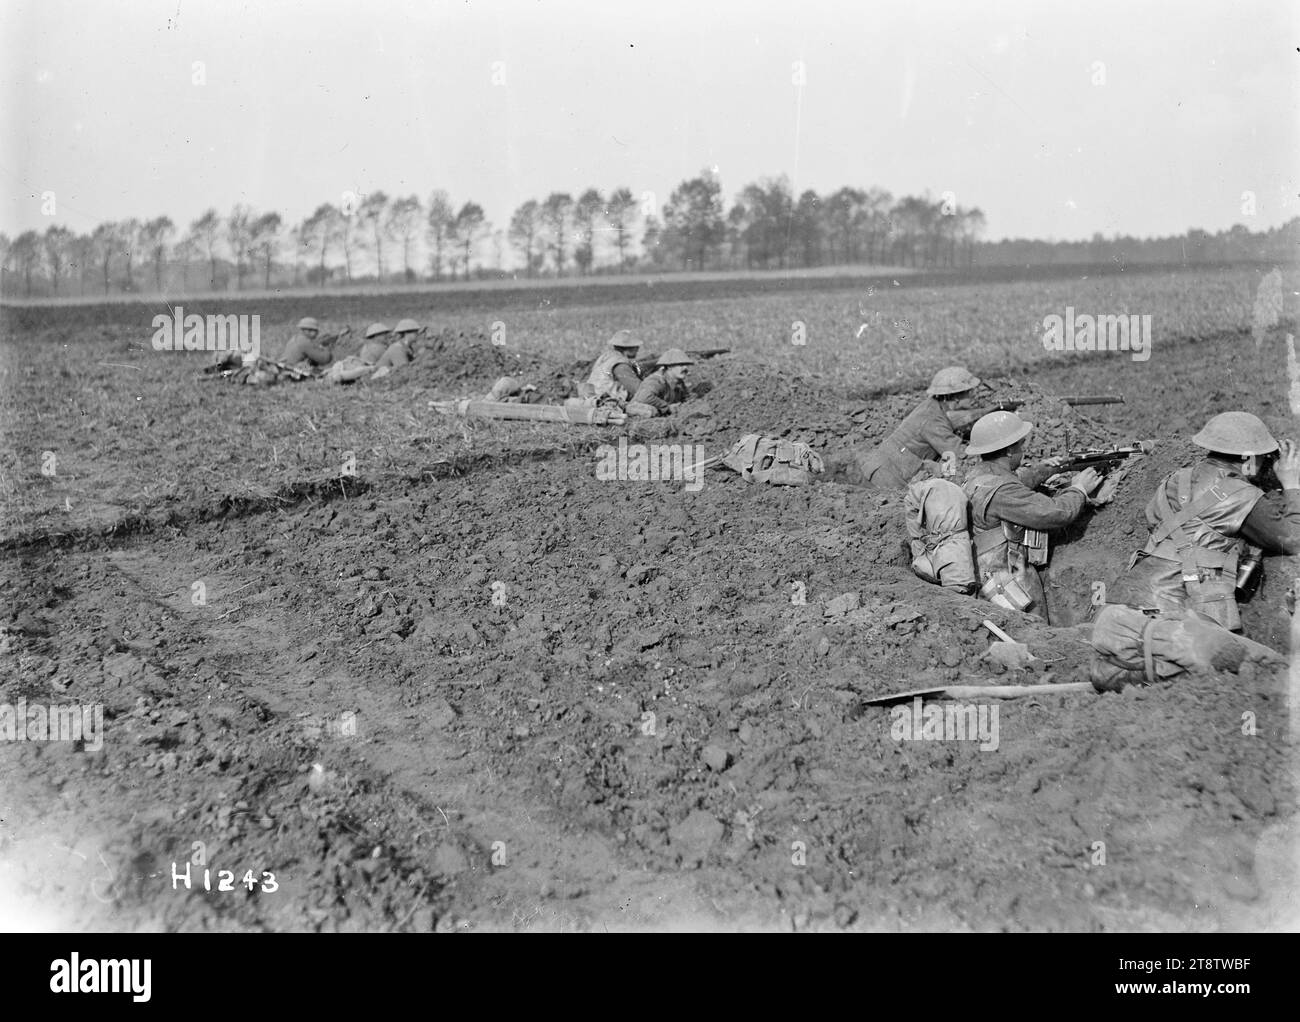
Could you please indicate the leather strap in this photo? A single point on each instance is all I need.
(1172, 526)
(1148, 655)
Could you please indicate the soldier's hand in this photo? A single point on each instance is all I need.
(1087, 480)
(949, 462)
(1054, 462)
(1108, 489)
(1287, 468)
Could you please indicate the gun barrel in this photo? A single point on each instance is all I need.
(1093, 399)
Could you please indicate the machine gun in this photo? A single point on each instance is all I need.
(963, 419)
(1103, 459)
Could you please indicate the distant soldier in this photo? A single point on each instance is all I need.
(401, 351)
(1202, 518)
(664, 387)
(378, 336)
(302, 347)
(1009, 521)
(615, 368)
(925, 439)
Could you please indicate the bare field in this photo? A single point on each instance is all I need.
(419, 694)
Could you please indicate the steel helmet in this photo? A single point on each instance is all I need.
(674, 357)
(624, 339)
(406, 326)
(997, 431)
(375, 329)
(307, 323)
(1236, 433)
(952, 380)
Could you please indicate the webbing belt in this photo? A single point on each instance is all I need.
(989, 539)
(1172, 526)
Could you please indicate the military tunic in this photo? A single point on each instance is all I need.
(923, 436)
(1199, 518)
(1003, 506)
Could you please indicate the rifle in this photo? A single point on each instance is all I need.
(963, 419)
(1103, 459)
(647, 365)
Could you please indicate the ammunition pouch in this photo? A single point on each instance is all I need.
(1035, 543)
(1004, 589)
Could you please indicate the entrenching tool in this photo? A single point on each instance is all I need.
(980, 692)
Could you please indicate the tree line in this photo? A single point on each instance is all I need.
(378, 238)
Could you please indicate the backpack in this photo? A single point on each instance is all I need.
(939, 534)
(943, 551)
(766, 460)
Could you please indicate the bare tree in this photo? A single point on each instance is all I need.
(403, 225)
(524, 227)
(187, 249)
(239, 236)
(106, 241)
(26, 252)
(586, 212)
(6, 257)
(972, 226)
(371, 219)
(441, 219)
(157, 236)
(347, 236)
(470, 224)
(319, 232)
(555, 214)
(265, 239)
(57, 242)
(620, 213)
(206, 232)
(130, 236)
(83, 248)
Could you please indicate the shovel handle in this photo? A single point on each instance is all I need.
(1013, 691)
(997, 631)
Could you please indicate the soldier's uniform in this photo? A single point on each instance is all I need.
(615, 368)
(376, 343)
(1200, 519)
(924, 436)
(1009, 521)
(1003, 505)
(397, 354)
(303, 349)
(659, 393)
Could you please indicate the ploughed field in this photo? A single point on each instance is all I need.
(438, 675)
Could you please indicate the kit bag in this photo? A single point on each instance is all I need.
(761, 459)
(939, 534)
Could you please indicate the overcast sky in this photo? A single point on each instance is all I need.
(1058, 119)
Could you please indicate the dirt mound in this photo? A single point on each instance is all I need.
(461, 360)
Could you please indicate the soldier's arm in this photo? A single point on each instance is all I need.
(1273, 524)
(625, 376)
(938, 433)
(1033, 476)
(648, 393)
(1022, 506)
(317, 354)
